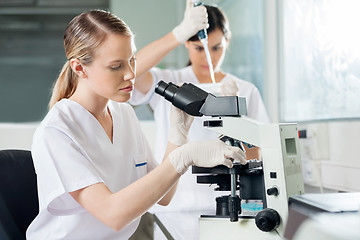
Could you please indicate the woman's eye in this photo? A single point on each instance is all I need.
(217, 48)
(199, 49)
(116, 67)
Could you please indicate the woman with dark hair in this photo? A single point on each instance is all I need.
(96, 174)
(191, 195)
(197, 72)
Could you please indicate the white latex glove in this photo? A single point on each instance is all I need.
(205, 154)
(195, 19)
(228, 87)
(180, 123)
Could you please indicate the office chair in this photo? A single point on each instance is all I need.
(18, 193)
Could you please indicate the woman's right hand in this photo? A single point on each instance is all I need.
(205, 154)
(195, 19)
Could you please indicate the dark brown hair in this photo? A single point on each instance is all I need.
(217, 20)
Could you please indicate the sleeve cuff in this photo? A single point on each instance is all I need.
(139, 98)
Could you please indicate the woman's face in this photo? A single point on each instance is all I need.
(112, 73)
(217, 47)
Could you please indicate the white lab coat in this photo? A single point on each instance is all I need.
(189, 194)
(71, 151)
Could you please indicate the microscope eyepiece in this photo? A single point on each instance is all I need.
(196, 102)
(166, 90)
(188, 97)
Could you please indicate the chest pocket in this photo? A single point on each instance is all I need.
(140, 164)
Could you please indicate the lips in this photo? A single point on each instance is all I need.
(127, 89)
(205, 66)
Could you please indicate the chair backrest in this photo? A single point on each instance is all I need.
(18, 193)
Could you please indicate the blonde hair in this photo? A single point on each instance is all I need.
(83, 35)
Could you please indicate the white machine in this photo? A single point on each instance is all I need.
(273, 180)
(282, 177)
(325, 216)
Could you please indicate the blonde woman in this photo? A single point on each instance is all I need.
(96, 173)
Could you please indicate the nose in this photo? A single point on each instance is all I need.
(130, 72)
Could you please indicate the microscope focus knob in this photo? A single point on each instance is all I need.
(267, 220)
(272, 191)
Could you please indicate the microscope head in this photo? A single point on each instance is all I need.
(196, 102)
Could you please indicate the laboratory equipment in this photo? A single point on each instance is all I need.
(324, 216)
(330, 226)
(272, 181)
(202, 34)
(198, 102)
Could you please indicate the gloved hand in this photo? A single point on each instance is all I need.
(228, 87)
(195, 19)
(205, 154)
(180, 123)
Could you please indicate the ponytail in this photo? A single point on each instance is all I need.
(64, 86)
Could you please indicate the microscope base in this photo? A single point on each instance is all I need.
(222, 228)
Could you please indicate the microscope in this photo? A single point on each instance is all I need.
(272, 180)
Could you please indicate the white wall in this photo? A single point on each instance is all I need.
(271, 60)
(16, 135)
(330, 155)
(19, 135)
(150, 20)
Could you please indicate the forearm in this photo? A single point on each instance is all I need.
(154, 52)
(167, 198)
(116, 210)
(150, 56)
(135, 200)
(194, 20)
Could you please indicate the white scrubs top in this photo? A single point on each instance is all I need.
(189, 194)
(71, 151)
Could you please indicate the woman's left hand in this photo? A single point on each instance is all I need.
(228, 87)
(180, 123)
